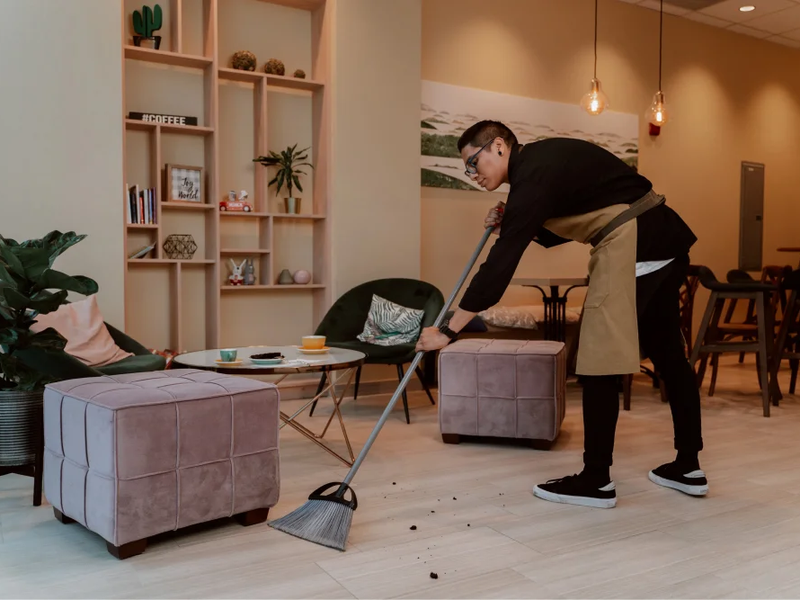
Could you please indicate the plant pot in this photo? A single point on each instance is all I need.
(20, 413)
(156, 39)
(292, 205)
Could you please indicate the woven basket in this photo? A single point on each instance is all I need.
(19, 414)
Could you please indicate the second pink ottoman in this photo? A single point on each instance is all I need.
(502, 389)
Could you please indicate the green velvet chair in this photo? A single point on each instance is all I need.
(345, 321)
(64, 367)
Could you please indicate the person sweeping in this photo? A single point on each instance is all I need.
(564, 190)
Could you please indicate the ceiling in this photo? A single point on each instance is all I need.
(772, 20)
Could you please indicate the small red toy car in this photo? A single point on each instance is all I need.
(234, 204)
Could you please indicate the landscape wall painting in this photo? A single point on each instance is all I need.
(447, 111)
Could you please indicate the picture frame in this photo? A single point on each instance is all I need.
(184, 183)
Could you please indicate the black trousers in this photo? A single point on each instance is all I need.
(660, 339)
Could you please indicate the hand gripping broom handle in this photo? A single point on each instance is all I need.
(410, 372)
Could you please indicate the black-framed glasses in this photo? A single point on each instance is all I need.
(471, 168)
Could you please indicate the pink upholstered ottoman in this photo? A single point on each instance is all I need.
(502, 389)
(131, 456)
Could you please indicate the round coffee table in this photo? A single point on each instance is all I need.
(295, 362)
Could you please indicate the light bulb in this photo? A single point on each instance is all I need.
(657, 113)
(595, 101)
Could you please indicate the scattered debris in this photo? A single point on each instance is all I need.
(434, 575)
(454, 498)
(394, 483)
(433, 511)
(467, 524)
(413, 528)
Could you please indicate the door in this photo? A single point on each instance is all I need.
(751, 217)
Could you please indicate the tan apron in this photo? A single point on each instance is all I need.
(609, 337)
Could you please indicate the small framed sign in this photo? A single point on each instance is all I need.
(184, 184)
(166, 119)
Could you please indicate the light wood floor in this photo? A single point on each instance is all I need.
(478, 526)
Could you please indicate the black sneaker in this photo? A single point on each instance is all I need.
(672, 476)
(575, 489)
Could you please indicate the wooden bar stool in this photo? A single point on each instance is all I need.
(788, 345)
(710, 339)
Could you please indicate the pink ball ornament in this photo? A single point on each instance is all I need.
(302, 277)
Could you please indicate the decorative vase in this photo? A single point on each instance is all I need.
(285, 278)
(179, 246)
(302, 277)
(20, 413)
(292, 205)
(155, 39)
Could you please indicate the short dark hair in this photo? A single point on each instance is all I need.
(483, 132)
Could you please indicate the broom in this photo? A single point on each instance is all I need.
(326, 517)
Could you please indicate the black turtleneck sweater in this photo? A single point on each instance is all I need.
(560, 177)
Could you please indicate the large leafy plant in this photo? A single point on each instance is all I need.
(29, 286)
(289, 163)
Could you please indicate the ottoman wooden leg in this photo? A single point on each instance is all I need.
(541, 444)
(253, 517)
(62, 517)
(451, 438)
(127, 550)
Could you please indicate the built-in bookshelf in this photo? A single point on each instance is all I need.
(188, 304)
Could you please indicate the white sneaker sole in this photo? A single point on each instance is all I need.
(691, 490)
(576, 500)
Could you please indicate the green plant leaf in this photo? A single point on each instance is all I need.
(8, 336)
(280, 180)
(51, 279)
(48, 339)
(15, 300)
(297, 183)
(12, 261)
(6, 279)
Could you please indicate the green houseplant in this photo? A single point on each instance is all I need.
(29, 286)
(289, 163)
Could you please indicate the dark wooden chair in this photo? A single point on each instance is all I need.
(788, 344)
(746, 330)
(710, 338)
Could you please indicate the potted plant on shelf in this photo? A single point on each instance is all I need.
(29, 286)
(289, 163)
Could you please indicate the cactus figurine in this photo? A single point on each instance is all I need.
(274, 67)
(145, 24)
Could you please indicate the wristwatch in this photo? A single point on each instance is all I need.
(448, 332)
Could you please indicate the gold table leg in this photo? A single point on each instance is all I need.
(329, 391)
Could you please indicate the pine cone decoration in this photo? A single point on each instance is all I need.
(274, 67)
(300, 74)
(244, 60)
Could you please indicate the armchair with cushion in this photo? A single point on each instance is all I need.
(345, 321)
(68, 367)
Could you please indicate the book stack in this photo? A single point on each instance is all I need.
(141, 205)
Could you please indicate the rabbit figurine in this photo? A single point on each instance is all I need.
(236, 277)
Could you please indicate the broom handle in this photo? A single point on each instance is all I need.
(410, 372)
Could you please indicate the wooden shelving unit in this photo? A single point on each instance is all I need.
(219, 234)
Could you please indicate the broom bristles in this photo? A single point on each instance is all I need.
(324, 522)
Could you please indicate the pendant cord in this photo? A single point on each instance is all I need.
(595, 39)
(660, 36)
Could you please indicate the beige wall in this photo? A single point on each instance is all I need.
(376, 217)
(731, 97)
(61, 133)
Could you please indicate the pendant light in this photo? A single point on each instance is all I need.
(595, 101)
(657, 112)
